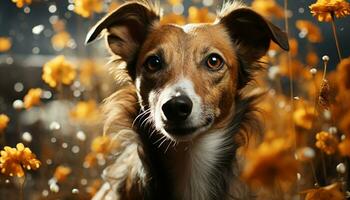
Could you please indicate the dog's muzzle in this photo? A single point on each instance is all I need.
(177, 109)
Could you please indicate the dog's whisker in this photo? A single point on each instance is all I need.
(168, 146)
(165, 139)
(159, 139)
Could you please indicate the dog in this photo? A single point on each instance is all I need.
(182, 110)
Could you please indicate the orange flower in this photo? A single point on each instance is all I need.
(61, 173)
(93, 187)
(32, 98)
(313, 32)
(324, 9)
(344, 147)
(325, 193)
(60, 40)
(196, 15)
(59, 25)
(58, 71)
(85, 111)
(312, 58)
(303, 117)
(173, 19)
(343, 74)
(5, 44)
(271, 163)
(101, 144)
(13, 161)
(21, 3)
(293, 46)
(326, 142)
(86, 8)
(90, 160)
(268, 8)
(4, 120)
(344, 123)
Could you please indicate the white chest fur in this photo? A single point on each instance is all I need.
(200, 163)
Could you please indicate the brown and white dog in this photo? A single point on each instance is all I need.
(181, 112)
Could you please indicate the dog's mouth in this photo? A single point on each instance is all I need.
(179, 130)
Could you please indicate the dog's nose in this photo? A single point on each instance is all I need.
(177, 108)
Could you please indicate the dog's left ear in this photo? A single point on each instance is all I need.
(252, 33)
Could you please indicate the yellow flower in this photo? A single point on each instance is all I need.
(101, 144)
(174, 2)
(61, 173)
(5, 44)
(325, 193)
(343, 74)
(58, 71)
(4, 120)
(303, 117)
(313, 32)
(86, 8)
(87, 71)
(85, 111)
(173, 18)
(268, 8)
(326, 142)
(21, 3)
(32, 98)
(60, 40)
(113, 6)
(271, 163)
(344, 147)
(324, 9)
(196, 15)
(13, 161)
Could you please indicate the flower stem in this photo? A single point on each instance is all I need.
(336, 37)
(22, 180)
(325, 63)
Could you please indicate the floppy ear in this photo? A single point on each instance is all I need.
(126, 27)
(252, 33)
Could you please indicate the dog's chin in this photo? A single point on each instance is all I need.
(185, 133)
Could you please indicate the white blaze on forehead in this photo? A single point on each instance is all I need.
(188, 27)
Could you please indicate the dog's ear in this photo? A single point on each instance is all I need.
(126, 27)
(252, 33)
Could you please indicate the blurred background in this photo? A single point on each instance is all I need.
(62, 129)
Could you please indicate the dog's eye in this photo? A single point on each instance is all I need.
(214, 61)
(153, 63)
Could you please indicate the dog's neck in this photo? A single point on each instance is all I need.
(200, 169)
(197, 168)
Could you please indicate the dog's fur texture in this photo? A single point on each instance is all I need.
(152, 163)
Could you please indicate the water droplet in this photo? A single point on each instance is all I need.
(52, 8)
(81, 136)
(18, 104)
(27, 137)
(75, 191)
(341, 168)
(54, 126)
(18, 87)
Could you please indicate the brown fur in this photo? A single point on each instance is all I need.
(144, 168)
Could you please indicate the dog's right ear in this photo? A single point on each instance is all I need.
(126, 27)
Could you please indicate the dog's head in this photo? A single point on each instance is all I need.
(188, 76)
